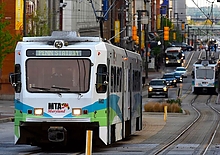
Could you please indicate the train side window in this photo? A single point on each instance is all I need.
(112, 78)
(129, 80)
(115, 79)
(101, 79)
(118, 79)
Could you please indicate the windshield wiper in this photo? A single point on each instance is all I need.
(41, 88)
(61, 88)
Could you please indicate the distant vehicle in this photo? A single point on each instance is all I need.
(205, 76)
(174, 56)
(170, 79)
(157, 87)
(179, 77)
(181, 70)
(184, 46)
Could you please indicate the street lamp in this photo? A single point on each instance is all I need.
(145, 22)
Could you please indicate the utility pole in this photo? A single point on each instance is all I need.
(122, 40)
(129, 24)
(146, 38)
(24, 19)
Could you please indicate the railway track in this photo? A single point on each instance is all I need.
(203, 113)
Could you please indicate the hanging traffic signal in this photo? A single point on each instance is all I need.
(134, 33)
(166, 33)
(174, 35)
(183, 26)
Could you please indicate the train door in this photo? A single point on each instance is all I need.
(130, 86)
(123, 90)
(108, 101)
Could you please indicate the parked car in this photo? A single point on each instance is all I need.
(181, 70)
(157, 87)
(170, 79)
(179, 77)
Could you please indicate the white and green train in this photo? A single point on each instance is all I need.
(205, 76)
(65, 85)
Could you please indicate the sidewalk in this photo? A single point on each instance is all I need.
(6, 111)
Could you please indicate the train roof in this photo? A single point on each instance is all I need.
(69, 36)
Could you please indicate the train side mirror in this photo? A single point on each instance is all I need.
(15, 80)
(193, 74)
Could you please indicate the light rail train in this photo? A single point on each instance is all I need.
(205, 76)
(65, 85)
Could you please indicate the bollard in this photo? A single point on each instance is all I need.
(165, 113)
(88, 142)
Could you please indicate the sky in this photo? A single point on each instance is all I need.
(201, 3)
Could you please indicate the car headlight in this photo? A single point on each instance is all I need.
(165, 89)
(174, 80)
(150, 88)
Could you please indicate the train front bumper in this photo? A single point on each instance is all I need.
(59, 131)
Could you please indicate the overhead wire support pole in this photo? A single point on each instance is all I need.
(24, 18)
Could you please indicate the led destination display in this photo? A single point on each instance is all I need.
(58, 53)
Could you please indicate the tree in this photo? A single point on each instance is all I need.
(7, 41)
(37, 23)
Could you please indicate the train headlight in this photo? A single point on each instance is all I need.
(58, 43)
(150, 88)
(76, 111)
(38, 111)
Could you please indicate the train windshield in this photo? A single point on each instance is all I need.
(204, 74)
(58, 75)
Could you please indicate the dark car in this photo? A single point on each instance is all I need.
(187, 47)
(170, 79)
(179, 77)
(157, 87)
(184, 46)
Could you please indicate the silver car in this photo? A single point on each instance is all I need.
(181, 70)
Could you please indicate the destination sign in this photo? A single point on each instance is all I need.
(58, 53)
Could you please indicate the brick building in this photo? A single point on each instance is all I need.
(6, 90)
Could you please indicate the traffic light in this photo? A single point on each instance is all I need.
(174, 35)
(134, 33)
(183, 26)
(166, 33)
